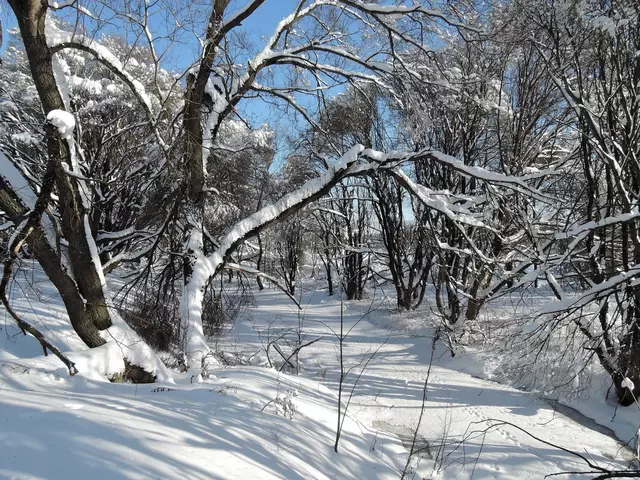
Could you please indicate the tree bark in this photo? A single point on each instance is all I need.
(91, 313)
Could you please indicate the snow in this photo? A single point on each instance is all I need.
(254, 422)
(61, 72)
(93, 249)
(122, 341)
(83, 429)
(63, 121)
(388, 393)
(17, 181)
(247, 422)
(17, 231)
(239, 13)
(587, 227)
(191, 302)
(57, 38)
(26, 138)
(628, 383)
(439, 203)
(600, 290)
(93, 87)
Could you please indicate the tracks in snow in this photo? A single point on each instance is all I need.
(388, 395)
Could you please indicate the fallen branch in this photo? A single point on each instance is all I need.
(297, 350)
(46, 345)
(286, 360)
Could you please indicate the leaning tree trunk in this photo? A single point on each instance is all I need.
(91, 315)
(48, 258)
(259, 263)
(83, 288)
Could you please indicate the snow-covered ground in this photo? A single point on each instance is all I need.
(247, 422)
(255, 422)
(464, 432)
(230, 427)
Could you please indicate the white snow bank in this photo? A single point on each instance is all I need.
(227, 429)
(123, 341)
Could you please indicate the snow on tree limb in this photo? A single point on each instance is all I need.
(512, 182)
(436, 202)
(602, 290)
(17, 182)
(236, 19)
(393, 10)
(58, 40)
(356, 162)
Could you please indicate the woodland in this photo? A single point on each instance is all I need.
(268, 190)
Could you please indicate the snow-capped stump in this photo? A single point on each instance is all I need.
(63, 121)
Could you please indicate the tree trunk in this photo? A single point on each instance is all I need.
(83, 289)
(259, 263)
(329, 278)
(92, 314)
(629, 358)
(80, 318)
(193, 291)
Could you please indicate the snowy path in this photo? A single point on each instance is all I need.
(388, 395)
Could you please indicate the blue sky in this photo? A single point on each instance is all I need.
(260, 24)
(258, 27)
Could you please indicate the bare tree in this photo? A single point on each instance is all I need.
(178, 238)
(589, 51)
